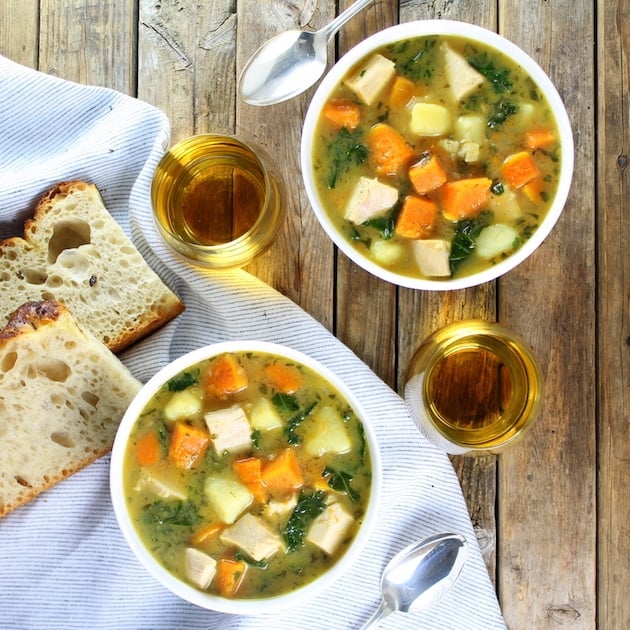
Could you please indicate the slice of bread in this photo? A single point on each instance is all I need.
(74, 251)
(62, 396)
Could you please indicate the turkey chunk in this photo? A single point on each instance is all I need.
(370, 80)
(252, 537)
(432, 256)
(200, 567)
(158, 487)
(230, 430)
(462, 77)
(330, 528)
(370, 198)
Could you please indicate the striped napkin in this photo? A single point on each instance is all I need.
(64, 562)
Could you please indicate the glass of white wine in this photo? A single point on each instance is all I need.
(474, 387)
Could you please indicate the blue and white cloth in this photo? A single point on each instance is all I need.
(64, 564)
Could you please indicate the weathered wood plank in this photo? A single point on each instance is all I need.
(421, 313)
(360, 296)
(300, 263)
(613, 281)
(89, 42)
(19, 33)
(547, 483)
(186, 64)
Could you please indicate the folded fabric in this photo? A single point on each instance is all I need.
(64, 562)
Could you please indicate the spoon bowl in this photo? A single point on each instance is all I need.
(290, 62)
(420, 575)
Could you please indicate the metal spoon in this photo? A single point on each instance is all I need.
(290, 62)
(420, 575)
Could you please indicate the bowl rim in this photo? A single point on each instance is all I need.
(421, 28)
(180, 587)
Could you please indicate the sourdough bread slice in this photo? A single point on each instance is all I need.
(74, 251)
(62, 396)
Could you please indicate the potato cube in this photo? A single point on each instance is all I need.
(263, 416)
(470, 127)
(227, 497)
(430, 119)
(495, 240)
(326, 433)
(387, 252)
(505, 207)
(184, 404)
(370, 80)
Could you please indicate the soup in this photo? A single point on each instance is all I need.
(436, 157)
(247, 475)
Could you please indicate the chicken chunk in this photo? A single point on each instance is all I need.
(432, 256)
(370, 198)
(230, 430)
(462, 77)
(252, 537)
(200, 567)
(370, 80)
(277, 510)
(330, 527)
(159, 487)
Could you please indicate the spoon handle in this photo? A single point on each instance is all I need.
(378, 616)
(343, 17)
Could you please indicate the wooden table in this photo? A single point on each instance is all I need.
(552, 514)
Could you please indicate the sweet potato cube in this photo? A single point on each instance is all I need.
(226, 376)
(519, 168)
(188, 444)
(465, 198)
(342, 113)
(389, 151)
(427, 174)
(417, 218)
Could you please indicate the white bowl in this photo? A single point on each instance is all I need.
(485, 37)
(182, 588)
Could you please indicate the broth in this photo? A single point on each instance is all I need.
(443, 102)
(180, 499)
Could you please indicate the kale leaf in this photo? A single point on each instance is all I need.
(285, 402)
(295, 421)
(501, 113)
(180, 513)
(344, 151)
(464, 240)
(384, 225)
(308, 508)
(261, 564)
(499, 79)
(420, 65)
(340, 481)
(182, 381)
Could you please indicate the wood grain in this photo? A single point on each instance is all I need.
(420, 313)
(19, 30)
(613, 210)
(549, 299)
(551, 514)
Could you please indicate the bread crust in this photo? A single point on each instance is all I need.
(92, 271)
(62, 396)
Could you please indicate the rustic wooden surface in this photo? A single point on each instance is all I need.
(551, 514)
